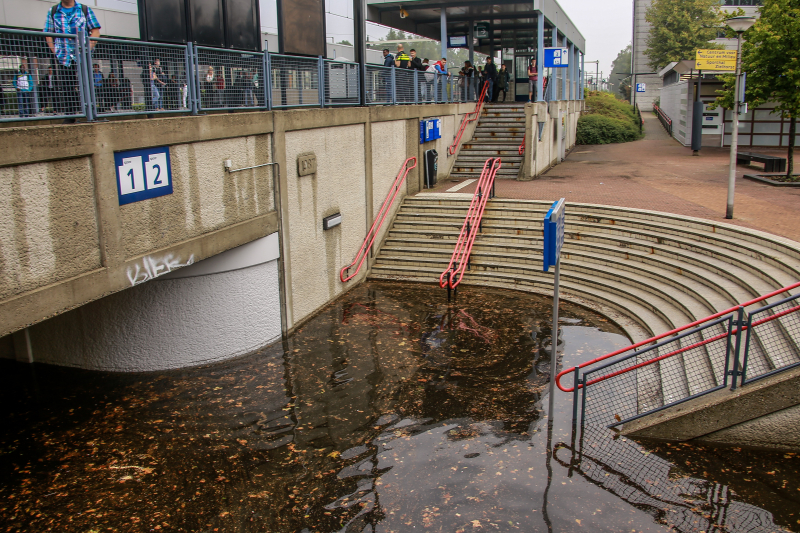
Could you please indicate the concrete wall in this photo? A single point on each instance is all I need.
(65, 240)
(542, 151)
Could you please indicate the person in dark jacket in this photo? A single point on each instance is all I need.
(388, 61)
(490, 72)
(502, 83)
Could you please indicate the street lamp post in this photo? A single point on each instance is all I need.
(739, 25)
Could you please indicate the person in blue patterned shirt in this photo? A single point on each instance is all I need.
(68, 17)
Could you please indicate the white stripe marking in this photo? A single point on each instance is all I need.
(460, 186)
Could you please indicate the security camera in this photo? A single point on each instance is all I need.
(403, 13)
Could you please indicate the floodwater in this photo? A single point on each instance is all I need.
(389, 411)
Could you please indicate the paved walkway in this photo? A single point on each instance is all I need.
(660, 174)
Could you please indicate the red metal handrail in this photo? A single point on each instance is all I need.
(469, 230)
(661, 112)
(668, 334)
(379, 218)
(469, 117)
(521, 148)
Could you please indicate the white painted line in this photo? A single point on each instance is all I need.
(460, 185)
(447, 196)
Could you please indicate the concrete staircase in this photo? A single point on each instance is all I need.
(500, 130)
(660, 270)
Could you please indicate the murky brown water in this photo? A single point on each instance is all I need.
(389, 411)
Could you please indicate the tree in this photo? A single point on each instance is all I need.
(620, 76)
(770, 58)
(346, 42)
(679, 28)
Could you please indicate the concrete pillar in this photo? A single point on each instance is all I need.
(572, 71)
(540, 55)
(225, 306)
(443, 22)
(583, 75)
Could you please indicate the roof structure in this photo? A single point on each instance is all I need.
(512, 23)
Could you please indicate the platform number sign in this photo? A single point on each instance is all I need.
(640, 87)
(556, 57)
(143, 174)
(553, 234)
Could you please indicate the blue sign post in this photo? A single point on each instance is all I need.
(553, 241)
(143, 174)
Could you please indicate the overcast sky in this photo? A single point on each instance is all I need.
(607, 25)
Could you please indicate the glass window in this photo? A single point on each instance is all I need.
(767, 127)
(766, 114)
(766, 140)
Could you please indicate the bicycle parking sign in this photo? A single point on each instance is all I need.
(143, 174)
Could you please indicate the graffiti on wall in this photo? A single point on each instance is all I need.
(151, 267)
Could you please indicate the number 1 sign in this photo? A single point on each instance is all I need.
(143, 174)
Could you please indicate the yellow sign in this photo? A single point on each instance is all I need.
(715, 60)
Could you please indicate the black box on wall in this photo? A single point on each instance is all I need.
(220, 23)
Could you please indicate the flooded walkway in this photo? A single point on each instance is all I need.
(389, 411)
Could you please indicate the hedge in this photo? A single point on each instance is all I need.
(607, 120)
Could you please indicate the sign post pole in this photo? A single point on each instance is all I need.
(553, 241)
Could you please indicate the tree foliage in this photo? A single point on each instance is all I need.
(771, 59)
(620, 77)
(680, 28)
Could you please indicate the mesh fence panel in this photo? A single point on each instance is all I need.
(295, 81)
(341, 83)
(772, 339)
(34, 83)
(404, 85)
(229, 79)
(379, 85)
(130, 77)
(682, 366)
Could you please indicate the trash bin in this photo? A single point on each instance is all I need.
(431, 165)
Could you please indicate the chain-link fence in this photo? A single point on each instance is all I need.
(295, 81)
(731, 350)
(341, 83)
(649, 379)
(131, 77)
(42, 76)
(229, 79)
(66, 76)
(772, 343)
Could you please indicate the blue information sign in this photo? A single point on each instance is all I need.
(553, 234)
(640, 87)
(143, 174)
(556, 57)
(430, 129)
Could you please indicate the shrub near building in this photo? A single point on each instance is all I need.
(607, 120)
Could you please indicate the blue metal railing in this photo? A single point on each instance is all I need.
(113, 77)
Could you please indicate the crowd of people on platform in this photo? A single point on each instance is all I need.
(471, 79)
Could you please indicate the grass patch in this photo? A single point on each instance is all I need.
(607, 120)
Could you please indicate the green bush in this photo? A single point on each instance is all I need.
(599, 129)
(607, 120)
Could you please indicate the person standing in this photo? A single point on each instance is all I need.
(49, 89)
(468, 72)
(502, 82)
(441, 83)
(490, 71)
(158, 85)
(23, 82)
(386, 81)
(388, 59)
(98, 81)
(416, 64)
(404, 87)
(533, 78)
(401, 59)
(430, 75)
(68, 17)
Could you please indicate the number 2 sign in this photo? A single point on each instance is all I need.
(143, 174)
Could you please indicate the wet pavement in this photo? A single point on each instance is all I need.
(389, 411)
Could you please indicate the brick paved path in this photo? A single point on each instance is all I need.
(660, 174)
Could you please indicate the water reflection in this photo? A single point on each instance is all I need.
(389, 411)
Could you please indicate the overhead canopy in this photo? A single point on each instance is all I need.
(512, 23)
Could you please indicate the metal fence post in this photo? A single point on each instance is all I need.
(267, 80)
(321, 82)
(575, 387)
(393, 81)
(416, 86)
(191, 78)
(85, 56)
(451, 96)
(198, 93)
(739, 323)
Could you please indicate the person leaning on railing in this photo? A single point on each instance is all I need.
(68, 17)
